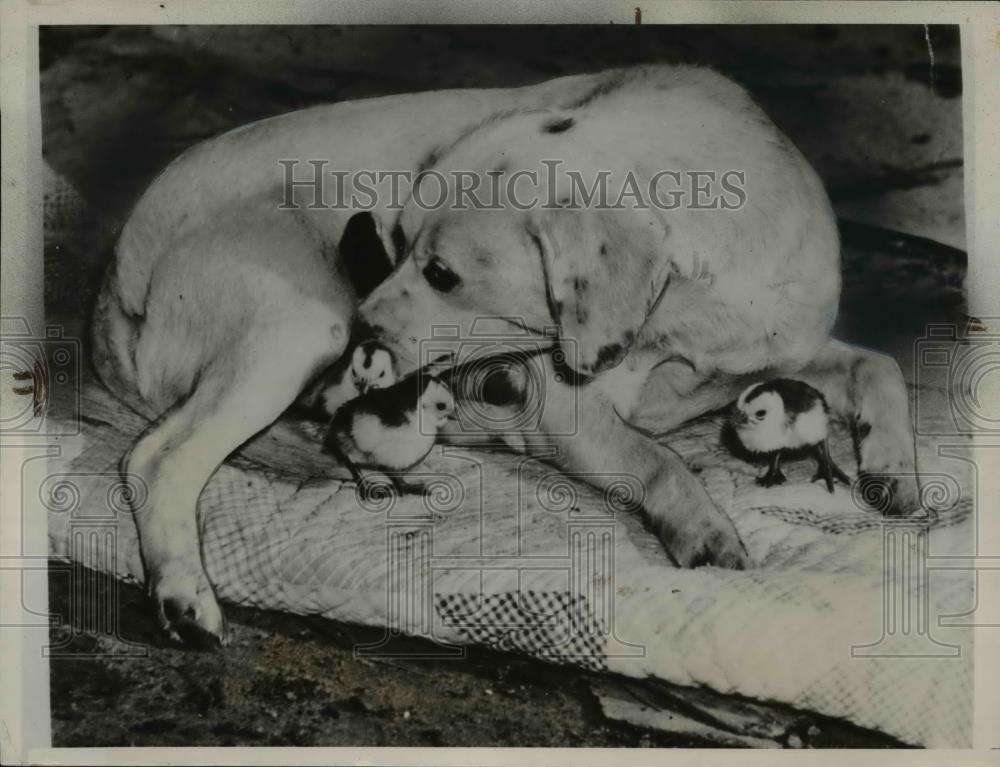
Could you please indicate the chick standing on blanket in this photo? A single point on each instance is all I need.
(782, 417)
(390, 429)
(370, 368)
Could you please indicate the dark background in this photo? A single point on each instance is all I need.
(864, 104)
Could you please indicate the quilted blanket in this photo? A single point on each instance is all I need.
(845, 613)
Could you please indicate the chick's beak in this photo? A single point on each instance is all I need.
(740, 418)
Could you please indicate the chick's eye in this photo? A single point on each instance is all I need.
(440, 406)
(440, 276)
(381, 374)
(760, 413)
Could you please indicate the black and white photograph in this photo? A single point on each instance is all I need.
(617, 381)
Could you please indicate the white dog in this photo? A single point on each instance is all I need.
(220, 307)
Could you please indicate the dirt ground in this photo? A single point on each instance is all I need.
(291, 681)
(883, 129)
(288, 681)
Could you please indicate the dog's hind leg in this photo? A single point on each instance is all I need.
(176, 457)
(867, 390)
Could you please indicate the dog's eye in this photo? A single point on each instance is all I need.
(760, 414)
(440, 276)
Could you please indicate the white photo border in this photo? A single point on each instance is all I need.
(25, 732)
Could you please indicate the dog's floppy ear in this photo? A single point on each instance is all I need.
(363, 254)
(605, 270)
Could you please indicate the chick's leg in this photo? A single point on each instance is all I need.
(867, 389)
(366, 486)
(774, 475)
(826, 469)
(408, 488)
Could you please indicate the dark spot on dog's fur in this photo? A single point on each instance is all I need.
(862, 429)
(608, 85)
(604, 250)
(608, 356)
(559, 126)
(580, 284)
(482, 256)
(502, 168)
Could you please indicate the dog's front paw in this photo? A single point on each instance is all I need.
(710, 546)
(893, 495)
(187, 608)
(887, 481)
(721, 549)
(693, 530)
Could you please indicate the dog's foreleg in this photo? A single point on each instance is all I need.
(596, 446)
(867, 389)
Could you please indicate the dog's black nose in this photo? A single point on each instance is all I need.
(366, 332)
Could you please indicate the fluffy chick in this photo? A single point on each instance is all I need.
(390, 429)
(782, 417)
(370, 366)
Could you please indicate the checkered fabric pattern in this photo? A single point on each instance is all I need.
(557, 626)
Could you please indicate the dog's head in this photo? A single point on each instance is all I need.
(590, 273)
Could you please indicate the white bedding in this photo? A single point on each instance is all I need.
(510, 554)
